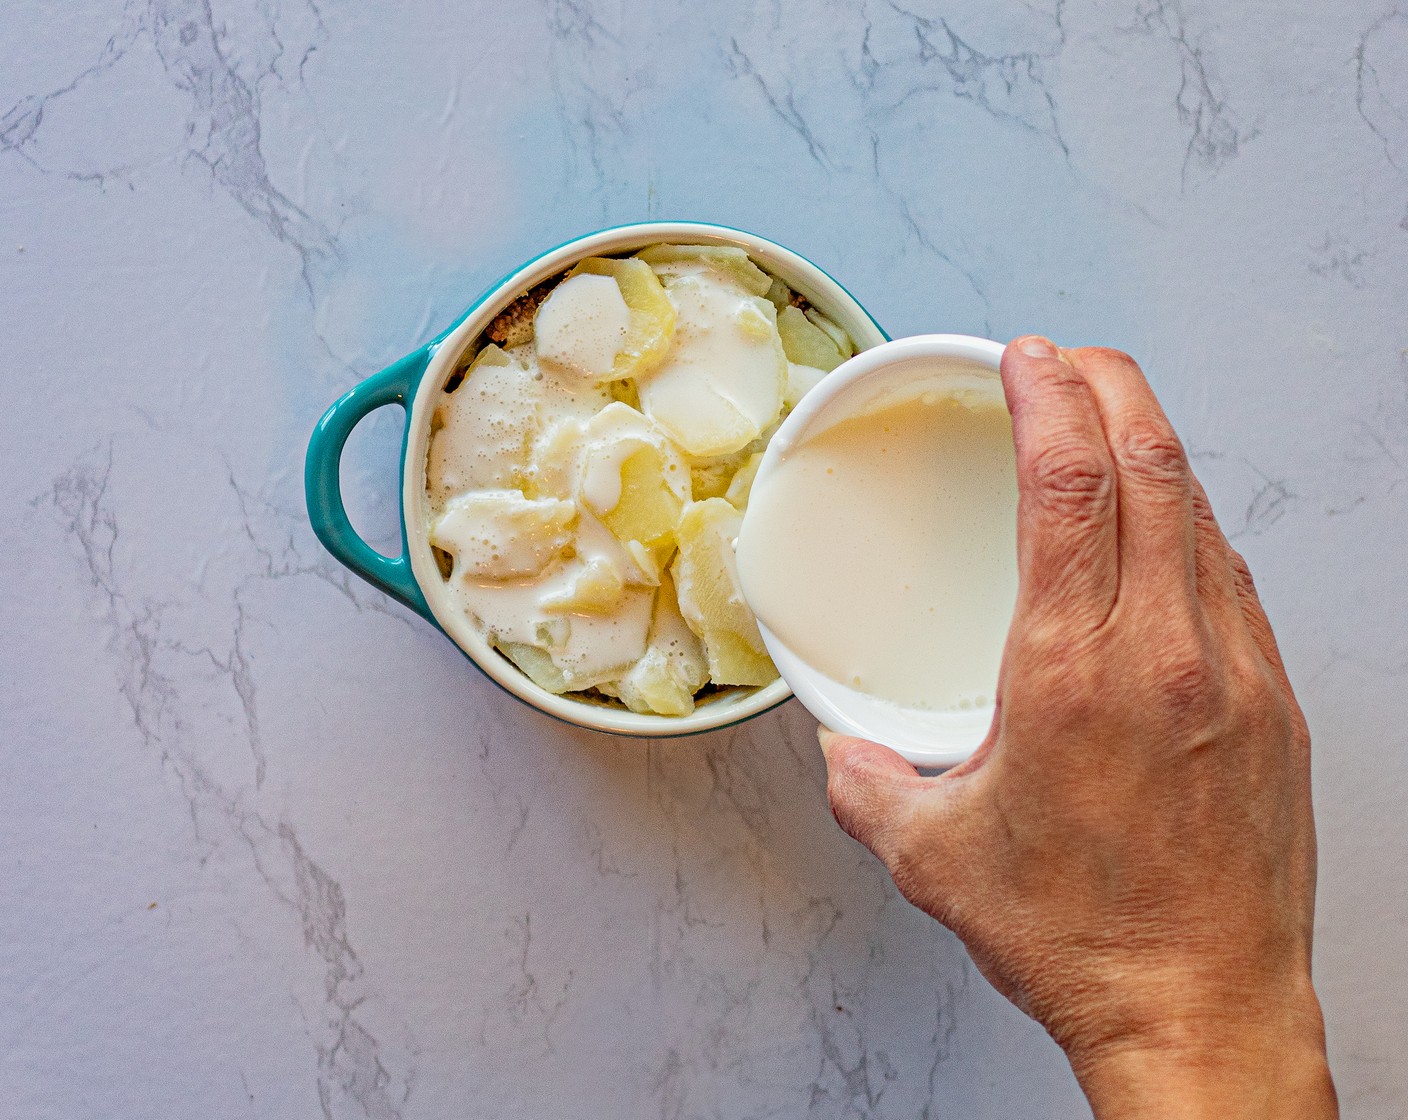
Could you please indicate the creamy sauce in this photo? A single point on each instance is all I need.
(545, 571)
(582, 326)
(724, 378)
(882, 550)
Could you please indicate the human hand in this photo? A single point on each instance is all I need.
(1130, 856)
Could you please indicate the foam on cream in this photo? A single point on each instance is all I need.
(582, 326)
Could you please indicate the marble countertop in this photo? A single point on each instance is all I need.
(272, 848)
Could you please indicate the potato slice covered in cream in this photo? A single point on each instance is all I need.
(673, 667)
(500, 534)
(608, 320)
(711, 600)
(483, 431)
(722, 382)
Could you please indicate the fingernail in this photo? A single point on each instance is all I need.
(1034, 346)
(826, 737)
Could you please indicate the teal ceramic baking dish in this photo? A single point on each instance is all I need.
(415, 382)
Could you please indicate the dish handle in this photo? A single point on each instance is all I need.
(322, 485)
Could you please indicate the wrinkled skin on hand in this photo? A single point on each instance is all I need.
(1130, 856)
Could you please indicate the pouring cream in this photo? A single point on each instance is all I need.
(880, 548)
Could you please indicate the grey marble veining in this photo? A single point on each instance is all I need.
(272, 849)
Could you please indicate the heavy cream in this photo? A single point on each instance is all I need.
(882, 549)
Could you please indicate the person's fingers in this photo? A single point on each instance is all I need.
(1067, 542)
(1225, 584)
(1265, 641)
(1226, 589)
(1216, 586)
(1255, 615)
(872, 791)
(1155, 485)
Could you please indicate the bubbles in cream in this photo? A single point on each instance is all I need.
(555, 576)
(582, 325)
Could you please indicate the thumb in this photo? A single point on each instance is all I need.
(872, 790)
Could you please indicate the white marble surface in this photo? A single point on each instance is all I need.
(271, 847)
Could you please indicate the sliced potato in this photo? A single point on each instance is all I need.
(597, 589)
(649, 563)
(714, 426)
(709, 478)
(722, 382)
(757, 321)
(742, 482)
(682, 647)
(581, 328)
(801, 380)
(552, 461)
(481, 432)
(779, 294)
(834, 330)
(633, 478)
(805, 343)
(652, 316)
(650, 688)
(729, 261)
(649, 507)
(673, 667)
(710, 600)
(537, 665)
(734, 659)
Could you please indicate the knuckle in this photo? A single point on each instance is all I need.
(1060, 377)
(1058, 383)
(1260, 706)
(1150, 449)
(1074, 477)
(1190, 688)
